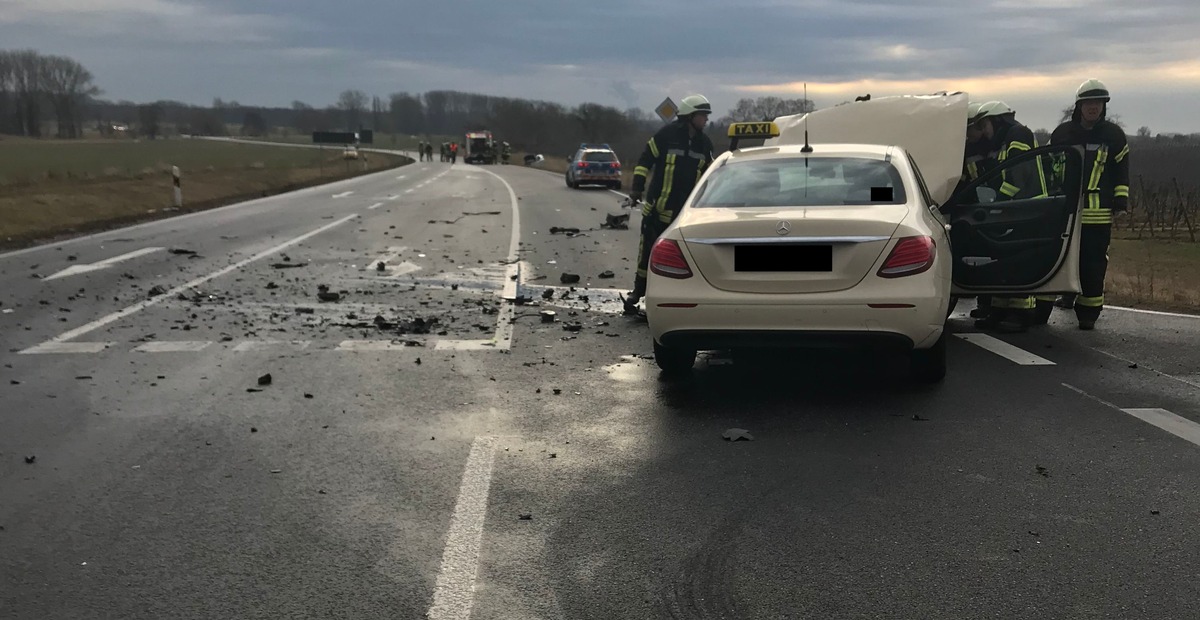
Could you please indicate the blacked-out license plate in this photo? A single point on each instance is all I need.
(783, 258)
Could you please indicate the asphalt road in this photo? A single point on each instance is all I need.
(426, 449)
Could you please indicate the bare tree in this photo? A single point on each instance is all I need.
(407, 113)
(1143, 132)
(149, 116)
(353, 103)
(29, 91)
(70, 86)
(8, 74)
(768, 109)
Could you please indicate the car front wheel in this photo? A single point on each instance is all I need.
(929, 365)
(674, 360)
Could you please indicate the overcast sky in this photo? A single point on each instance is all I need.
(1030, 53)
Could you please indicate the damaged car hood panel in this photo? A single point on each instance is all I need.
(930, 127)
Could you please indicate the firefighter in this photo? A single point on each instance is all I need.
(1106, 173)
(505, 152)
(678, 154)
(429, 151)
(976, 161)
(1007, 138)
(453, 152)
(421, 150)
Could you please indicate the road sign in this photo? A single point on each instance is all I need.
(667, 110)
(333, 137)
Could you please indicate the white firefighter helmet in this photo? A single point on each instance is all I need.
(993, 108)
(972, 111)
(1092, 89)
(693, 104)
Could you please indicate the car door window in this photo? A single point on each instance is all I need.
(1011, 228)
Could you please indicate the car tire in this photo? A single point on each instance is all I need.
(568, 180)
(929, 365)
(674, 360)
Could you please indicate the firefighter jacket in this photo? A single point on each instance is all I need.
(1105, 167)
(678, 161)
(1022, 181)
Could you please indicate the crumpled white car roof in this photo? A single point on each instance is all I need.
(932, 128)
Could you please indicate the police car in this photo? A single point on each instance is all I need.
(855, 240)
(594, 164)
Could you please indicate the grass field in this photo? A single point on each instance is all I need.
(381, 140)
(56, 188)
(1154, 274)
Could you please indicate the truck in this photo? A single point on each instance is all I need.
(479, 148)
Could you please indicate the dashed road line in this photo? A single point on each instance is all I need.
(67, 347)
(374, 206)
(1177, 425)
(262, 345)
(377, 345)
(343, 194)
(454, 592)
(173, 346)
(1003, 349)
(142, 305)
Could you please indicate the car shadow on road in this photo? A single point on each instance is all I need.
(769, 382)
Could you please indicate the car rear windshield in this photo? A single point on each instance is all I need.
(803, 182)
(599, 156)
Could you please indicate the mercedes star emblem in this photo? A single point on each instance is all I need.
(784, 227)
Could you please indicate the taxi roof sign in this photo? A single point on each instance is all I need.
(667, 110)
(754, 130)
(751, 131)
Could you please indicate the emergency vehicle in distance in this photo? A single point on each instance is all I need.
(479, 148)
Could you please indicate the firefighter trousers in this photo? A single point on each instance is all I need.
(1093, 268)
(652, 228)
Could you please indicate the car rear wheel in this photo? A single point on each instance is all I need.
(569, 183)
(929, 365)
(674, 360)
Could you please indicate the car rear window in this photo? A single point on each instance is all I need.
(599, 156)
(803, 182)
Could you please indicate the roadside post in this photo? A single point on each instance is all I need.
(178, 187)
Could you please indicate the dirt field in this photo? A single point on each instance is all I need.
(63, 188)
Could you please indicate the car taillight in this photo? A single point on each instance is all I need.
(666, 259)
(912, 255)
(616, 166)
(581, 164)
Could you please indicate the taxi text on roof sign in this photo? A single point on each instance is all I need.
(754, 130)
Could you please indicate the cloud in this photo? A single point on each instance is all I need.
(274, 51)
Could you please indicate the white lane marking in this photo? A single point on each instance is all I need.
(512, 280)
(1178, 426)
(465, 345)
(142, 305)
(104, 264)
(393, 197)
(454, 593)
(403, 176)
(372, 345)
(1005, 350)
(409, 191)
(67, 347)
(168, 346)
(375, 206)
(1154, 312)
(262, 345)
(343, 194)
(1175, 424)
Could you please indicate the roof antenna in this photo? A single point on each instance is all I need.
(807, 147)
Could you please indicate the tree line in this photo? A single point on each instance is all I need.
(34, 88)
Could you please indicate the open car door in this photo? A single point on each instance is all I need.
(1007, 236)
